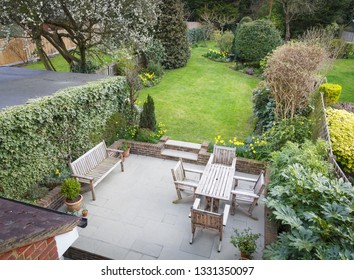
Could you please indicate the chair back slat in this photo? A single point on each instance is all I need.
(224, 155)
(259, 186)
(206, 219)
(178, 172)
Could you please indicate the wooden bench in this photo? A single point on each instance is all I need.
(93, 166)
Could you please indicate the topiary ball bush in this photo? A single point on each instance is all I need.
(331, 92)
(255, 39)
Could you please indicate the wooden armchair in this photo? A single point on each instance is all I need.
(208, 220)
(247, 196)
(181, 181)
(223, 155)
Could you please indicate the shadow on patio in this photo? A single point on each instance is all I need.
(133, 217)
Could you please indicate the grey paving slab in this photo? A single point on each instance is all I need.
(183, 144)
(133, 217)
(180, 154)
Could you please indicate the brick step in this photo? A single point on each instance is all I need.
(175, 154)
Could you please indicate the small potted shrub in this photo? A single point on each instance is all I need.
(245, 241)
(126, 149)
(70, 189)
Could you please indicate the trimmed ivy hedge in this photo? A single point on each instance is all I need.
(42, 136)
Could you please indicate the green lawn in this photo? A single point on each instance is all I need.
(204, 99)
(343, 74)
(58, 61)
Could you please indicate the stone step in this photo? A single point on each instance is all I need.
(175, 154)
(182, 146)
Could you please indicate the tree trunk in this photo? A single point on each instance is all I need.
(42, 54)
(287, 21)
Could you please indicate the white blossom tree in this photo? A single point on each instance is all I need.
(90, 24)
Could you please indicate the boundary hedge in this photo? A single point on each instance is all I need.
(40, 137)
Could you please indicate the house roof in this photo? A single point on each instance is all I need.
(18, 85)
(22, 224)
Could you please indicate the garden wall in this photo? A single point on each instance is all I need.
(40, 137)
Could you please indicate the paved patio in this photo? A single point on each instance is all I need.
(134, 218)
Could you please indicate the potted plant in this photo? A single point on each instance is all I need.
(70, 189)
(84, 212)
(126, 149)
(245, 241)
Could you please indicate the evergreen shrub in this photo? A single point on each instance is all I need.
(331, 92)
(255, 39)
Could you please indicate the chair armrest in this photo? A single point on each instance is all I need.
(195, 206)
(236, 192)
(245, 179)
(188, 184)
(196, 203)
(225, 214)
(193, 170)
(83, 177)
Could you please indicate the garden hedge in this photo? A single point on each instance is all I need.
(341, 130)
(40, 137)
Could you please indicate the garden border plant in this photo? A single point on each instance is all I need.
(40, 137)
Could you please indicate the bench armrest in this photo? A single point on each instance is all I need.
(114, 150)
(83, 177)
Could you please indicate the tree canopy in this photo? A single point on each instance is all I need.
(88, 23)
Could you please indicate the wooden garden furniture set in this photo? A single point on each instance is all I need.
(217, 183)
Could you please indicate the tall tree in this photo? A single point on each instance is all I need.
(171, 30)
(87, 23)
(294, 8)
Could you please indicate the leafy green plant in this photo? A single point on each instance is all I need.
(263, 108)
(314, 208)
(341, 130)
(331, 92)
(255, 39)
(224, 40)
(147, 117)
(245, 241)
(217, 55)
(70, 188)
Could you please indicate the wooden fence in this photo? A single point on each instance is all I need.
(321, 130)
(22, 50)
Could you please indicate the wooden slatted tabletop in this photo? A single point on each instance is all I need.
(216, 182)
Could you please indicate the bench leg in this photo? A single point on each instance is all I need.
(92, 190)
(122, 166)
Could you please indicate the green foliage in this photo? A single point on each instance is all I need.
(245, 241)
(152, 75)
(224, 40)
(46, 133)
(315, 209)
(297, 130)
(114, 126)
(245, 19)
(254, 40)
(172, 32)
(198, 34)
(217, 56)
(155, 52)
(88, 68)
(341, 130)
(263, 107)
(70, 188)
(331, 92)
(147, 117)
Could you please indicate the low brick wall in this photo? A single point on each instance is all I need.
(53, 200)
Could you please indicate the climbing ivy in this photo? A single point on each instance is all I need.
(42, 136)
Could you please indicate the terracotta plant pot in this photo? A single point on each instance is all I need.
(244, 256)
(84, 213)
(74, 205)
(126, 153)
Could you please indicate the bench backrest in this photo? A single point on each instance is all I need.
(89, 160)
